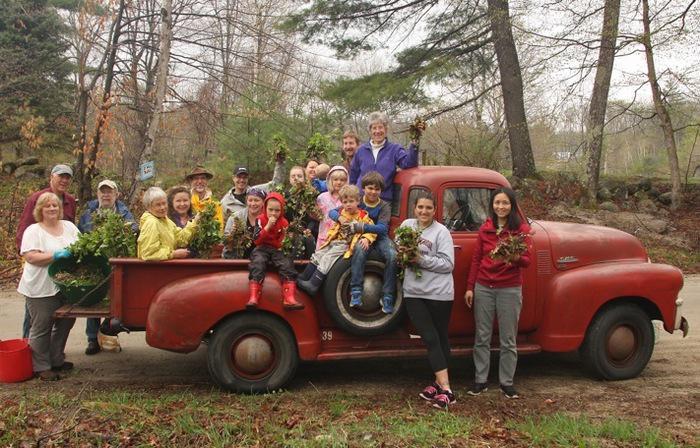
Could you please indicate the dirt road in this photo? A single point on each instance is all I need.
(665, 395)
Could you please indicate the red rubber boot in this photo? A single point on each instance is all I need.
(289, 288)
(255, 293)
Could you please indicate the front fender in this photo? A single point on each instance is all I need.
(574, 297)
(182, 312)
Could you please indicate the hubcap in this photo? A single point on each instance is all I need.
(253, 355)
(371, 293)
(622, 344)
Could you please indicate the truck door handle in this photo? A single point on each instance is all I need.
(457, 247)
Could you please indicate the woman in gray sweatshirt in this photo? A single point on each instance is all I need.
(429, 297)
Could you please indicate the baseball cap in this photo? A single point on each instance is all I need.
(107, 183)
(240, 170)
(62, 169)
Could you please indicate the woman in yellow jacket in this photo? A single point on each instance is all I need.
(160, 238)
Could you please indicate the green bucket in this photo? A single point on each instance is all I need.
(86, 295)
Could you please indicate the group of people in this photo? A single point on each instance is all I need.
(354, 208)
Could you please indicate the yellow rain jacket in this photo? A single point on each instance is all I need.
(334, 232)
(199, 203)
(159, 237)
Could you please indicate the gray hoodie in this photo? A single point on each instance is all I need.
(436, 262)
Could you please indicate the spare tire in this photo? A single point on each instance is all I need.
(367, 320)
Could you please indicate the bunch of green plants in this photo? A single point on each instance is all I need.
(239, 239)
(279, 149)
(416, 129)
(509, 248)
(407, 238)
(208, 232)
(293, 242)
(111, 237)
(301, 200)
(320, 146)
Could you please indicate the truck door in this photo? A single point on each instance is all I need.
(463, 208)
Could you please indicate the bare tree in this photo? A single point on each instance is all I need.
(661, 109)
(599, 97)
(512, 86)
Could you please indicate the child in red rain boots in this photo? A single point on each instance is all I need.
(269, 234)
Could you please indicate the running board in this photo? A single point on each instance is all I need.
(70, 311)
(523, 349)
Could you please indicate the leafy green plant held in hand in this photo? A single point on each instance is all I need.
(279, 149)
(208, 232)
(111, 237)
(509, 248)
(319, 147)
(416, 129)
(240, 239)
(293, 242)
(407, 238)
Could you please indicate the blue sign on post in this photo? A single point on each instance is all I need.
(147, 170)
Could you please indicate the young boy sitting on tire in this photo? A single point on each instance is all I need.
(269, 234)
(340, 241)
(379, 212)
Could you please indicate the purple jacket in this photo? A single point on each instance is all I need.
(388, 158)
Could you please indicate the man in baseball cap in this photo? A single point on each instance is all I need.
(59, 181)
(234, 200)
(107, 199)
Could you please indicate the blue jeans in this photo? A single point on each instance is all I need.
(91, 328)
(385, 247)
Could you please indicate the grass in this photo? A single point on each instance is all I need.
(290, 419)
(581, 431)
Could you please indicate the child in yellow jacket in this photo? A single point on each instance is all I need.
(340, 242)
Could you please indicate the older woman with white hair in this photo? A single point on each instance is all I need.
(381, 155)
(43, 242)
(160, 238)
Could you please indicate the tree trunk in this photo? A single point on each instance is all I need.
(599, 98)
(661, 111)
(166, 32)
(89, 159)
(512, 88)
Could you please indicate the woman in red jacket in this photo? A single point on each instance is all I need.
(494, 286)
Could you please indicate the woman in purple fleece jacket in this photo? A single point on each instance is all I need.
(379, 154)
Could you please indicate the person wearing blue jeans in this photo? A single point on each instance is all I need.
(107, 199)
(380, 213)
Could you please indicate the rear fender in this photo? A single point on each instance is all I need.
(182, 312)
(576, 296)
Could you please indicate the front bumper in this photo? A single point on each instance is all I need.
(681, 323)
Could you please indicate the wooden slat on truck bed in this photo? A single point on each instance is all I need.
(99, 310)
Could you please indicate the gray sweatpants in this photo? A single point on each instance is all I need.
(505, 303)
(47, 336)
(326, 257)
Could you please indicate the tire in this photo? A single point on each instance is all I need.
(619, 342)
(369, 319)
(251, 353)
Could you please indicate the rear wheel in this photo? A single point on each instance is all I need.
(619, 343)
(252, 352)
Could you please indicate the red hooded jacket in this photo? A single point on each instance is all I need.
(274, 236)
(496, 273)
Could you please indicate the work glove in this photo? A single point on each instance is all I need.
(357, 227)
(62, 253)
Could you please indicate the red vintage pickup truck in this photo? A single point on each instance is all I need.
(591, 289)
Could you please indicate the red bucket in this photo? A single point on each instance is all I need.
(15, 361)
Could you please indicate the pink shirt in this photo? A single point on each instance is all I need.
(326, 202)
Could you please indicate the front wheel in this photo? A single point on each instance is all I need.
(619, 343)
(252, 352)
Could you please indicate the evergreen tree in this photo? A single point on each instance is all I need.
(35, 84)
